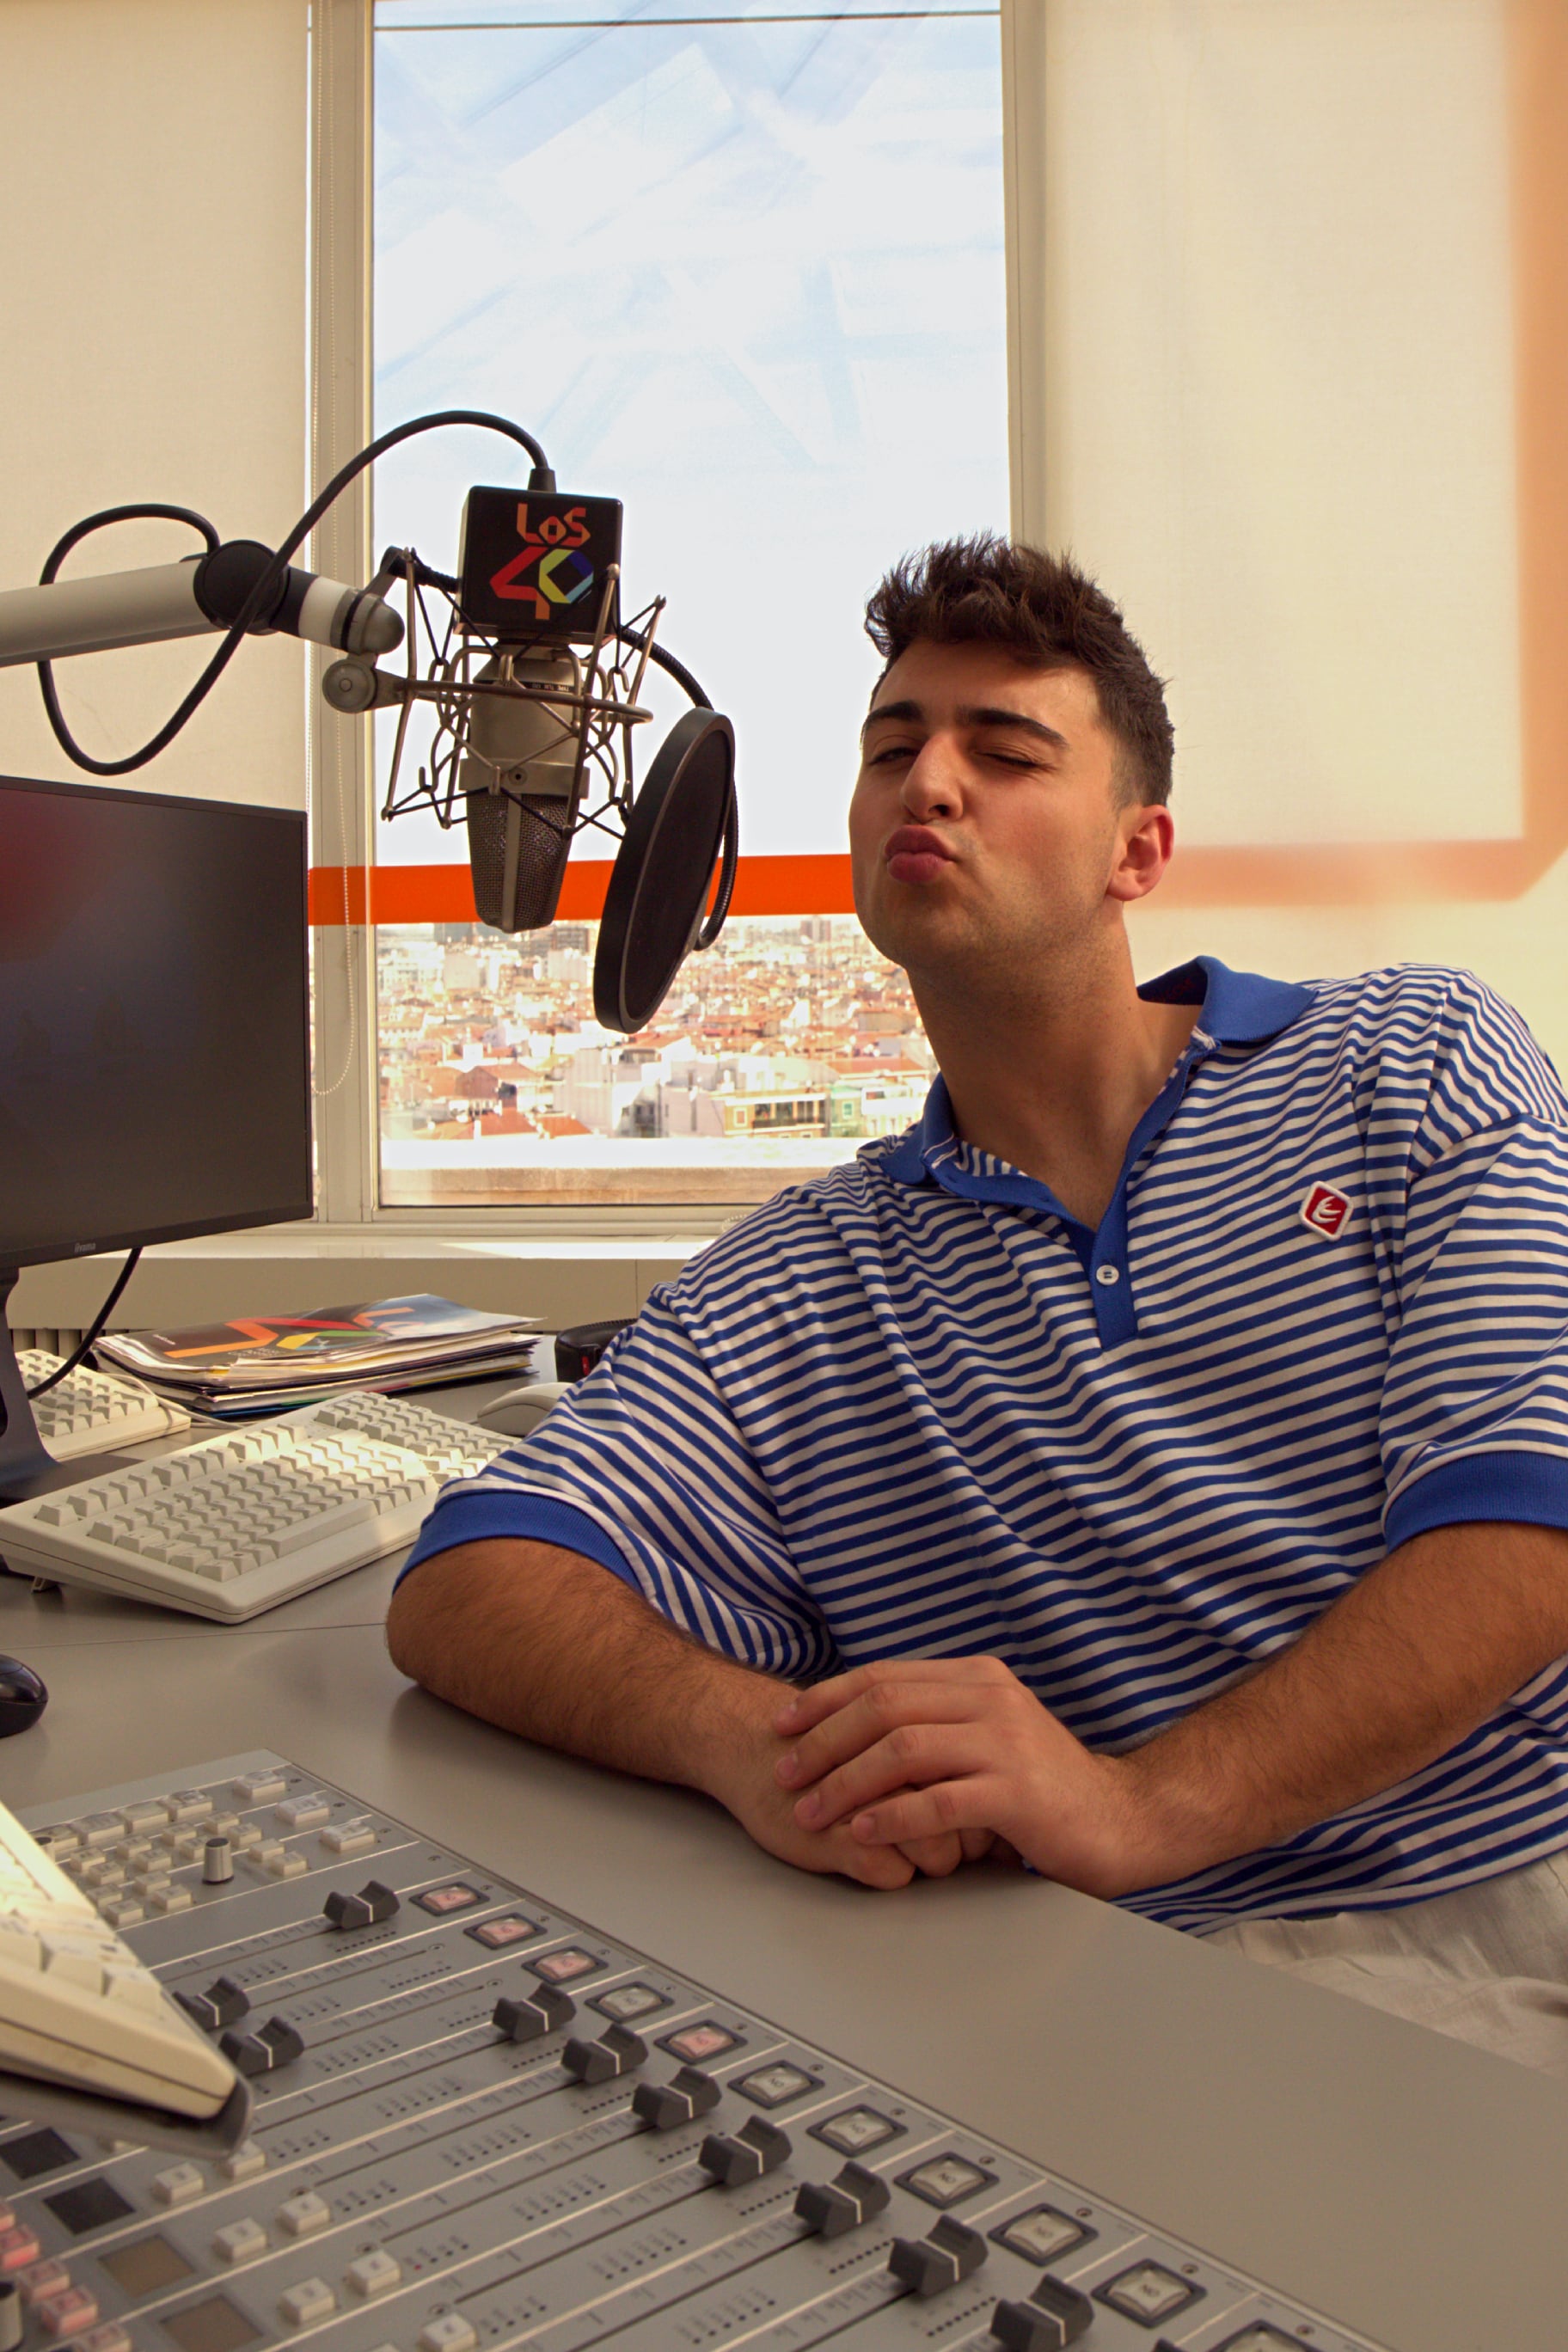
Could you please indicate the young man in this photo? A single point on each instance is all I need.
(1155, 1464)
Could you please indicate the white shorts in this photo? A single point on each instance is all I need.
(1488, 1964)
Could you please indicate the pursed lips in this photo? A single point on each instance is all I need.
(915, 853)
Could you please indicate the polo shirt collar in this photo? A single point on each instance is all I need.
(1237, 1008)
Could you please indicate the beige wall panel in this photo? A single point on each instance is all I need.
(152, 164)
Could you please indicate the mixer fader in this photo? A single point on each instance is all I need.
(480, 2124)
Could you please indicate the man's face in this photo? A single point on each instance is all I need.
(986, 828)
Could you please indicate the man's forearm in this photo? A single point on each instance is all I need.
(544, 1642)
(1423, 1650)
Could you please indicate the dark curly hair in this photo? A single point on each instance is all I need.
(1048, 615)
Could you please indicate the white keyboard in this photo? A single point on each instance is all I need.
(77, 2008)
(92, 1412)
(237, 1523)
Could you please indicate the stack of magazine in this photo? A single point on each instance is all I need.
(266, 1363)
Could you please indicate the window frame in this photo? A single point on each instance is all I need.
(341, 790)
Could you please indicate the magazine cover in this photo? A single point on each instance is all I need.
(326, 1346)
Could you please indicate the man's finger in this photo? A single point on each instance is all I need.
(933, 1857)
(885, 1867)
(803, 1708)
(919, 1814)
(914, 1756)
(875, 1713)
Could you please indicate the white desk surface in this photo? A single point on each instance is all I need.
(1406, 2185)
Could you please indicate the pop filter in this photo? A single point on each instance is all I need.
(679, 822)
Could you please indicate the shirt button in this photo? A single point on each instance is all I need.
(1108, 1274)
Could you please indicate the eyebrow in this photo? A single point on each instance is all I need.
(971, 715)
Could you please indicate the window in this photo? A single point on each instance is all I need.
(743, 271)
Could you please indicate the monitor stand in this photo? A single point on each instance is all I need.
(27, 1466)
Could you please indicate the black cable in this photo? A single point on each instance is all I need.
(99, 1320)
(271, 579)
(666, 661)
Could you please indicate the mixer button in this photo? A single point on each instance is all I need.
(664, 2105)
(178, 2185)
(1148, 2293)
(927, 2265)
(456, 1895)
(303, 1812)
(43, 2280)
(285, 1862)
(374, 2273)
(542, 2011)
(856, 2129)
(831, 2207)
(110, 2337)
(244, 2162)
(304, 2304)
(346, 1839)
(257, 1788)
(304, 2214)
(64, 2314)
(1055, 2315)
(618, 2051)
(565, 1967)
(775, 2086)
(696, 2044)
(623, 2003)
(735, 2158)
(187, 1805)
(448, 2332)
(1041, 2234)
(239, 2241)
(946, 2179)
(500, 1934)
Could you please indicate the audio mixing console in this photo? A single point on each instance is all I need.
(478, 2125)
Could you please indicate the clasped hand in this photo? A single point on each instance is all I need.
(948, 1758)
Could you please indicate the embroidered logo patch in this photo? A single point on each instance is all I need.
(1324, 1210)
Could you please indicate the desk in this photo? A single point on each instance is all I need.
(1406, 2184)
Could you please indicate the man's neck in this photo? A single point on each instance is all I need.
(1054, 1083)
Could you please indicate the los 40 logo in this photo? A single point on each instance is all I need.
(530, 564)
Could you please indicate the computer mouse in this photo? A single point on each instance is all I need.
(22, 1697)
(519, 1413)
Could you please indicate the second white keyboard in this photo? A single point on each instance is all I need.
(237, 1523)
(78, 2007)
(92, 1412)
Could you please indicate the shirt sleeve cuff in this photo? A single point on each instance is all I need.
(525, 1517)
(1529, 1488)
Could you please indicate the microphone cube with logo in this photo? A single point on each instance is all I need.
(532, 573)
(535, 566)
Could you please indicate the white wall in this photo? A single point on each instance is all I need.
(152, 288)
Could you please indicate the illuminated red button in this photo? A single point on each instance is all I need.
(62, 2315)
(45, 2278)
(18, 2247)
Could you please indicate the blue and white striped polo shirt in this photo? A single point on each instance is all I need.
(914, 1409)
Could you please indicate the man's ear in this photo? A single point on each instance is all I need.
(1147, 835)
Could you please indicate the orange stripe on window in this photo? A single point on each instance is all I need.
(445, 894)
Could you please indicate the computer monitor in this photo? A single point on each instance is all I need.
(155, 1075)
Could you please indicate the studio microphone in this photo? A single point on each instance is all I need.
(518, 777)
(535, 688)
(204, 593)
